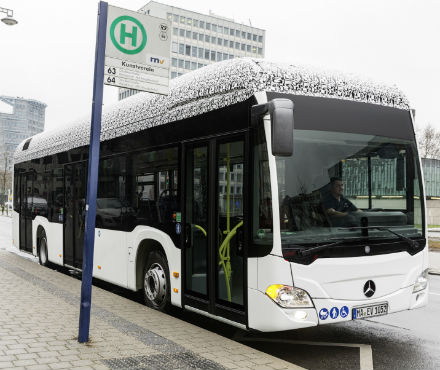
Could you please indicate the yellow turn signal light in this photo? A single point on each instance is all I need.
(175, 274)
(272, 290)
(176, 290)
(99, 267)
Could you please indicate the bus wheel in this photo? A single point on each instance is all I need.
(156, 289)
(42, 253)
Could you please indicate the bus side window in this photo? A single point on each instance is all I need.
(57, 195)
(113, 210)
(152, 188)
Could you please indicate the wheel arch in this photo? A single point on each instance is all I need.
(145, 247)
(40, 233)
(145, 239)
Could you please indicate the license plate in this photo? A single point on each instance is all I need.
(370, 311)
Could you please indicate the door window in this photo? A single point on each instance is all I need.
(229, 249)
(196, 220)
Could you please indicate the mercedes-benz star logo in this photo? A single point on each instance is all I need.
(369, 288)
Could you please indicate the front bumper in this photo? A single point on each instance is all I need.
(265, 315)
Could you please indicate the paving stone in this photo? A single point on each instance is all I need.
(61, 365)
(15, 351)
(26, 356)
(47, 360)
(36, 367)
(24, 362)
(17, 346)
(48, 354)
(68, 358)
(36, 349)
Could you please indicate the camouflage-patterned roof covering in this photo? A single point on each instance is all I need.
(209, 88)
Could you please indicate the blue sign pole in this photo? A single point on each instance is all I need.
(92, 178)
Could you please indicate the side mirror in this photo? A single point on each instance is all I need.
(281, 117)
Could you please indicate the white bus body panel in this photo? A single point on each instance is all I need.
(111, 255)
(173, 256)
(115, 252)
(273, 270)
(344, 278)
(16, 229)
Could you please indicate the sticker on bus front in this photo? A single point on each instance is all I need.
(344, 312)
(334, 312)
(323, 313)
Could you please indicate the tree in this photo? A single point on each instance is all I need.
(429, 142)
(5, 174)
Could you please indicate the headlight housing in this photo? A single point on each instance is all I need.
(421, 282)
(288, 296)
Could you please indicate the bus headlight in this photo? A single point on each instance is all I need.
(421, 282)
(289, 296)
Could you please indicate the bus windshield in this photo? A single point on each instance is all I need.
(337, 184)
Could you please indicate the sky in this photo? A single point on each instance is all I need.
(49, 54)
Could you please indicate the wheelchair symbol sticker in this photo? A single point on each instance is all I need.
(334, 312)
(323, 313)
(344, 311)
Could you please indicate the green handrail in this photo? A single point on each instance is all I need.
(225, 257)
(201, 229)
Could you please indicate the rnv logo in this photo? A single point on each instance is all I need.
(157, 60)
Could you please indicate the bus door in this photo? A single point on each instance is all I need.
(26, 186)
(75, 187)
(214, 253)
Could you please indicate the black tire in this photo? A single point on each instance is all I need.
(42, 251)
(156, 287)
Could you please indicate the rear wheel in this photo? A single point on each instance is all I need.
(156, 283)
(42, 251)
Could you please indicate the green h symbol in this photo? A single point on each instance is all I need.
(132, 35)
(123, 34)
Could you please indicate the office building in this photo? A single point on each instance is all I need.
(25, 118)
(198, 39)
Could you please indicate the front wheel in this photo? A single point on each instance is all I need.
(156, 286)
(42, 253)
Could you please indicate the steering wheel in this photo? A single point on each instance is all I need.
(163, 192)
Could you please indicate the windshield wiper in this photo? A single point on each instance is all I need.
(412, 243)
(308, 251)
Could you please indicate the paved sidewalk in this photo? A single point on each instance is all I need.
(39, 310)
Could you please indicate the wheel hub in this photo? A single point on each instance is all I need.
(155, 284)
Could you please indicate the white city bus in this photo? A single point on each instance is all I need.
(270, 197)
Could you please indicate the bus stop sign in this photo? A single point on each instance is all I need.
(137, 53)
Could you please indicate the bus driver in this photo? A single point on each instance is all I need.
(336, 206)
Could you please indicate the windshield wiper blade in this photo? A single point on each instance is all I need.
(412, 243)
(308, 251)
